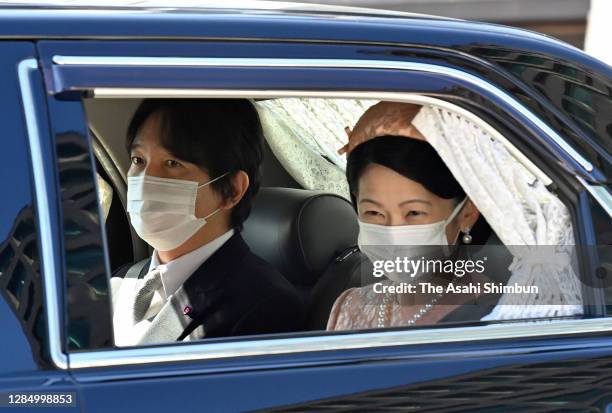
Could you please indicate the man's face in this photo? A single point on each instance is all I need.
(149, 157)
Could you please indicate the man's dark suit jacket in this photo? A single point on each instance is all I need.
(234, 292)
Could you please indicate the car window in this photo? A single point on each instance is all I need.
(333, 271)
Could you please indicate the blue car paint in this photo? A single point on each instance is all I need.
(23, 364)
(263, 381)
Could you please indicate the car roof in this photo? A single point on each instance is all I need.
(176, 19)
(196, 6)
(505, 51)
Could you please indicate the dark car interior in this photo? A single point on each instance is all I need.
(309, 236)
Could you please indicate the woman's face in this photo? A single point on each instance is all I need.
(149, 157)
(386, 197)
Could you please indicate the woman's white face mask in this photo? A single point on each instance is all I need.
(162, 210)
(383, 242)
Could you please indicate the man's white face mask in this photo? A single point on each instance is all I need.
(162, 210)
(383, 242)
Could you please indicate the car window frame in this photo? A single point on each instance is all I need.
(321, 341)
(47, 231)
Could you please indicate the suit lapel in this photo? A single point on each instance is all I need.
(171, 321)
(187, 314)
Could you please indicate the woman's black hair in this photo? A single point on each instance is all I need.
(218, 135)
(416, 160)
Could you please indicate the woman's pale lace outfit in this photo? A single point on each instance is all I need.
(356, 308)
(359, 308)
(521, 210)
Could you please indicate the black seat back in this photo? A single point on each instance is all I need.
(300, 232)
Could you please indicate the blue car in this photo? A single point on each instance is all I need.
(71, 76)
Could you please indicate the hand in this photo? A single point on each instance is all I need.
(384, 118)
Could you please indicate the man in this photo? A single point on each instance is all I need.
(193, 175)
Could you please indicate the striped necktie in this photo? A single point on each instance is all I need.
(142, 302)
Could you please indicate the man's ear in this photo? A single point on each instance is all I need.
(240, 183)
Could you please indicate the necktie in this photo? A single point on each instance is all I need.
(142, 302)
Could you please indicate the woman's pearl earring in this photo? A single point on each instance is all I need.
(467, 238)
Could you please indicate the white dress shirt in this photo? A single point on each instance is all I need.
(173, 274)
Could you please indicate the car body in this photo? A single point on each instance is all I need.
(550, 100)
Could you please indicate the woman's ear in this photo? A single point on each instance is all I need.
(240, 183)
(468, 216)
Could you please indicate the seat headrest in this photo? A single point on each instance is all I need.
(299, 231)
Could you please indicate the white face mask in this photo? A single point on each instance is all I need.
(162, 210)
(383, 242)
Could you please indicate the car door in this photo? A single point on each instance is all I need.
(33, 373)
(520, 365)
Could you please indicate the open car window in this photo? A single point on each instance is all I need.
(526, 268)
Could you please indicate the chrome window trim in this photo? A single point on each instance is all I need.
(52, 309)
(327, 63)
(176, 352)
(185, 351)
(257, 347)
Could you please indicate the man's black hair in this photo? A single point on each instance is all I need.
(218, 135)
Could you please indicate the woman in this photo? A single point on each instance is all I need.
(409, 205)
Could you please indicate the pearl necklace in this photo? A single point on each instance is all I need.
(384, 307)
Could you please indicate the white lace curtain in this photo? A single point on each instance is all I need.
(305, 134)
(524, 214)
